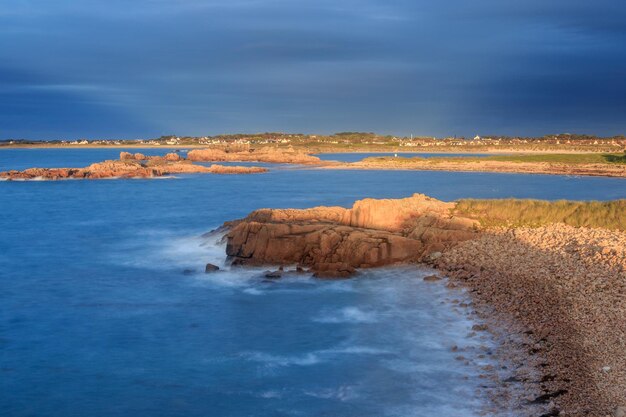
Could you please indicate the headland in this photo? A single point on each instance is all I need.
(549, 278)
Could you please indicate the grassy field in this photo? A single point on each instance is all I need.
(590, 158)
(585, 158)
(535, 213)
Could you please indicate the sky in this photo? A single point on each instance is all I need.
(145, 68)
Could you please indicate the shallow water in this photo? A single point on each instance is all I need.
(22, 158)
(97, 318)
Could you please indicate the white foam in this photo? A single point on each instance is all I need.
(270, 394)
(311, 358)
(277, 360)
(358, 350)
(341, 393)
(253, 291)
(159, 249)
(347, 315)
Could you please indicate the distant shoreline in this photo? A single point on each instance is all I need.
(503, 161)
(509, 168)
(319, 152)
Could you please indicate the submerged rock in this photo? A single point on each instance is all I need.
(333, 270)
(211, 268)
(432, 278)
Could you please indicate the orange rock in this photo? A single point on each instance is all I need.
(333, 240)
(174, 157)
(271, 155)
(126, 168)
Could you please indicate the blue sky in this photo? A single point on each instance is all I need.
(143, 68)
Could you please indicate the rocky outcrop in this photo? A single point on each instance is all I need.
(173, 157)
(231, 169)
(170, 157)
(333, 241)
(267, 154)
(126, 168)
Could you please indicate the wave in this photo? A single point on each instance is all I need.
(341, 393)
(359, 350)
(311, 358)
(270, 394)
(275, 360)
(163, 249)
(347, 315)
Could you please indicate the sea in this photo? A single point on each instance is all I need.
(105, 309)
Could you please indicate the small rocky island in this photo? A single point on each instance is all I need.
(246, 154)
(548, 278)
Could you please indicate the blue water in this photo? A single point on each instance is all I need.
(354, 157)
(22, 158)
(97, 318)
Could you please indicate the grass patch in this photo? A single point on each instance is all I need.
(583, 158)
(535, 213)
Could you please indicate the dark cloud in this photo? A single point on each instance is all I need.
(119, 68)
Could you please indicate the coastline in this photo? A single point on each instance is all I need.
(596, 170)
(552, 295)
(304, 149)
(557, 294)
(523, 162)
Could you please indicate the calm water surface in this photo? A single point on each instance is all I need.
(96, 317)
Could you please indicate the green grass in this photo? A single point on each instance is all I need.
(535, 213)
(583, 158)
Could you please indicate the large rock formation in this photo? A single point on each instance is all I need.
(267, 154)
(126, 168)
(332, 241)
